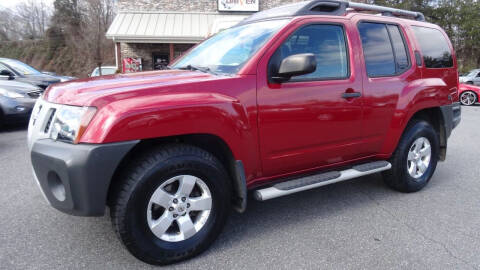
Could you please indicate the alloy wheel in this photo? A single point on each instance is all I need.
(468, 98)
(419, 157)
(179, 208)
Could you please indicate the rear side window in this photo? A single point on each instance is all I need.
(377, 49)
(401, 55)
(434, 47)
(384, 49)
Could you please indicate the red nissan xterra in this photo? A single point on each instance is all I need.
(291, 99)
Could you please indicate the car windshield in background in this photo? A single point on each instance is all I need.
(105, 71)
(21, 68)
(471, 73)
(227, 51)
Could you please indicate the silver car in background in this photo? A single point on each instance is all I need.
(472, 77)
(17, 100)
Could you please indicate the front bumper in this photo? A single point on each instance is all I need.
(16, 109)
(75, 178)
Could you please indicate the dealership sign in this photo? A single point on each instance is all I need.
(238, 5)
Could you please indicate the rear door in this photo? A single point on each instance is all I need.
(388, 71)
(307, 122)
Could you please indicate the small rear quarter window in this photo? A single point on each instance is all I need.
(434, 47)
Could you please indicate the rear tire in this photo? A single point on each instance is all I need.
(2, 120)
(415, 159)
(166, 171)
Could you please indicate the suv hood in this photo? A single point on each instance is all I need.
(99, 91)
(18, 87)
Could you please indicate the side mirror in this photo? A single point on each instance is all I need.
(296, 65)
(7, 73)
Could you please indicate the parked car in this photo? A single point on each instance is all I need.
(12, 69)
(16, 101)
(469, 94)
(106, 70)
(291, 99)
(472, 77)
(60, 77)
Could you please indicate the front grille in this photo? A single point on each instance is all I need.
(50, 119)
(35, 94)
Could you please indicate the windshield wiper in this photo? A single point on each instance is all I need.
(202, 69)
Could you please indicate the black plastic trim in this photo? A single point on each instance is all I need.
(85, 170)
(452, 115)
(240, 187)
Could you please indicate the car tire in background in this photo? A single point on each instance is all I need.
(2, 118)
(170, 203)
(468, 98)
(415, 159)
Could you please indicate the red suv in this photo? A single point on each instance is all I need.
(292, 98)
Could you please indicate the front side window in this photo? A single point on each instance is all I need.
(326, 42)
(229, 50)
(434, 47)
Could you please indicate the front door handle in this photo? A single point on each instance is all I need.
(348, 95)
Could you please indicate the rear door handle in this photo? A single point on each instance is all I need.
(351, 95)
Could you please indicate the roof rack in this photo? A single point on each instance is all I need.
(329, 7)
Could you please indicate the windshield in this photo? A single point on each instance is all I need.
(472, 73)
(21, 68)
(227, 51)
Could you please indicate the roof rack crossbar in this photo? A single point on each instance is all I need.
(328, 7)
(386, 10)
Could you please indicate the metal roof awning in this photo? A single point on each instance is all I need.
(168, 27)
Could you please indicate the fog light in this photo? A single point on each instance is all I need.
(20, 109)
(56, 186)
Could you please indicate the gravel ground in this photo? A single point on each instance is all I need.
(359, 224)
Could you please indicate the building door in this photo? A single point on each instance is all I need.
(160, 61)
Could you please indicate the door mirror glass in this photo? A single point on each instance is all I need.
(296, 65)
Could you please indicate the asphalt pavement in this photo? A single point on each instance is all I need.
(360, 224)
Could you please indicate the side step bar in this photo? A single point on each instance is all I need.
(319, 180)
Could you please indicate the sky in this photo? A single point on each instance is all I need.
(13, 3)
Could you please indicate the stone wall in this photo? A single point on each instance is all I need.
(187, 5)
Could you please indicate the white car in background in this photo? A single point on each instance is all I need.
(106, 70)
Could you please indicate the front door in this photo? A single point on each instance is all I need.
(309, 122)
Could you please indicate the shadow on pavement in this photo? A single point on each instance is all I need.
(13, 127)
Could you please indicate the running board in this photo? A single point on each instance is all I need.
(319, 180)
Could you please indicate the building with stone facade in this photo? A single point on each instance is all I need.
(158, 31)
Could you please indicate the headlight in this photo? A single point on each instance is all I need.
(71, 122)
(10, 94)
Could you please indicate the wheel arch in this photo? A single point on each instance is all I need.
(436, 118)
(208, 142)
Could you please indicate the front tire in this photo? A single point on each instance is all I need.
(415, 159)
(171, 203)
(468, 98)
